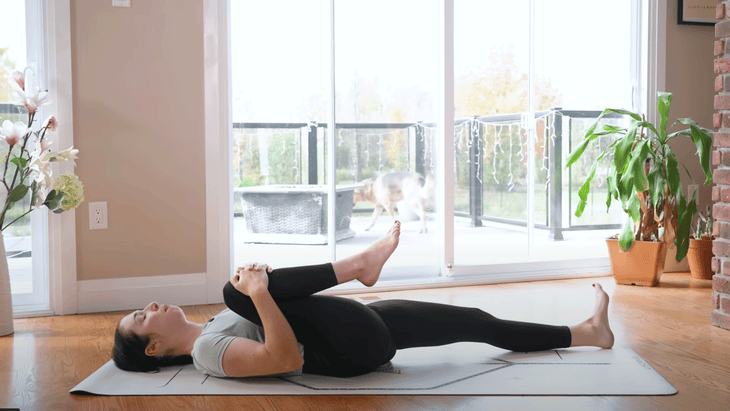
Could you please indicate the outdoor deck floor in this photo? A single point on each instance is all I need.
(490, 244)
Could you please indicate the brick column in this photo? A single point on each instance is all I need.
(720, 316)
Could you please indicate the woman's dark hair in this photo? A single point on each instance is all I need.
(129, 355)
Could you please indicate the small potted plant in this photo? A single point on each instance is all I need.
(644, 176)
(699, 254)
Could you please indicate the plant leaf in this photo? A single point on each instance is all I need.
(625, 191)
(624, 112)
(673, 174)
(20, 162)
(634, 207)
(612, 190)
(685, 212)
(635, 169)
(626, 239)
(55, 202)
(657, 184)
(51, 194)
(575, 155)
(623, 149)
(18, 193)
(649, 126)
(664, 100)
(704, 149)
(586, 187)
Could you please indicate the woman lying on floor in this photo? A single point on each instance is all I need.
(325, 335)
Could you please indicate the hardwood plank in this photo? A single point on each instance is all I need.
(668, 326)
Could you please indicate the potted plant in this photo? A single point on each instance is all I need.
(644, 176)
(699, 254)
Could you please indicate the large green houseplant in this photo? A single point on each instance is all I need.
(645, 176)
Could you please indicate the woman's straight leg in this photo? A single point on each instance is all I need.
(422, 324)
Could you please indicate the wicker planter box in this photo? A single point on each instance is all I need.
(294, 214)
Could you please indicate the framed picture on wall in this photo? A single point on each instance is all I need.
(699, 12)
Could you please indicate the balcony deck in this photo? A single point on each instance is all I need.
(493, 243)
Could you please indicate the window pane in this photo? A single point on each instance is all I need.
(279, 56)
(13, 57)
(387, 90)
(572, 84)
(491, 53)
(572, 71)
(24, 249)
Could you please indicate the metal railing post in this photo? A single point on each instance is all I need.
(476, 173)
(555, 190)
(312, 152)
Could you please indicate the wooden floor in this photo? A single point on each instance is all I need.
(667, 325)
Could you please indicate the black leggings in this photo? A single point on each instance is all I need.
(344, 338)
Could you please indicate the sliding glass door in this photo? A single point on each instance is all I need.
(527, 83)
(529, 76)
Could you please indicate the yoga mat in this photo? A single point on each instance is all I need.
(456, 369)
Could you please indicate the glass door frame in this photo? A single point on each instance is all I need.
(219, 135)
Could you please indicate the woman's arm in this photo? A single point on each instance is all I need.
(280, 351)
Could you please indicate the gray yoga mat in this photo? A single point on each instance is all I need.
(456, 369)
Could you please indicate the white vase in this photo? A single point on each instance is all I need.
(6, 298)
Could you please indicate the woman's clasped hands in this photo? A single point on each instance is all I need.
(251, 278)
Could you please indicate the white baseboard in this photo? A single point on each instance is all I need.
(136, 292)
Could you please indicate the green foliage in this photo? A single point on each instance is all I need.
(644, 175)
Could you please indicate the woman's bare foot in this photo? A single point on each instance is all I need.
(594, 331)
(366, 266)
(377, 254)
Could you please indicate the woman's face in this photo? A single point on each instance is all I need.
(161, 320)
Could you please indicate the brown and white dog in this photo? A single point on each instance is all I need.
(388, 189)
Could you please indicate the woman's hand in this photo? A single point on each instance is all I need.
(251, 278)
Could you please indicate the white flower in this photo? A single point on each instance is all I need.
(18, 78)
(41, 165)
(32, 100)
(13, 132)
(43, 146)
(68, 154)
(51, 123)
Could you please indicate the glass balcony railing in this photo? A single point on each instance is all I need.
(490, 163)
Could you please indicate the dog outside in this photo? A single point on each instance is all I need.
(407, 191)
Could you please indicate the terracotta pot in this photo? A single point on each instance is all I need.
(699, 257)
(641, 265)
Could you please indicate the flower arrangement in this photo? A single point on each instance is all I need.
(26, 167)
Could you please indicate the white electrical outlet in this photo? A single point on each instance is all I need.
(97, 215)
(121, 3)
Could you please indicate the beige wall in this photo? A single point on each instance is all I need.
(138, 123)
(690, 77)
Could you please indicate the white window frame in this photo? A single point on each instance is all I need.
(61, 227)
(218, 146)
(36, 301)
